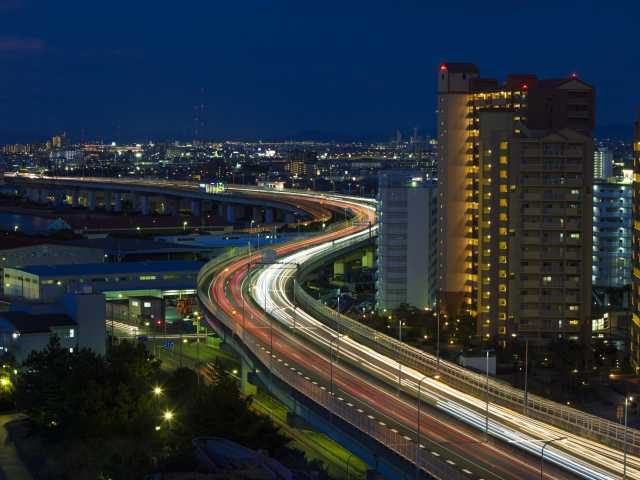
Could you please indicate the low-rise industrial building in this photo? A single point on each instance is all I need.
(78, 321)
(49, 283)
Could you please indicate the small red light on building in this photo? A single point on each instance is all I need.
(525, 86)
(443, 68)
(574, 75)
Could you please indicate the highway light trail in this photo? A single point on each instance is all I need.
(583, 457)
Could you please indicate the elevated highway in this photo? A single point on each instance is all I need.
(235, 202)
(383, 379)
(447, 421)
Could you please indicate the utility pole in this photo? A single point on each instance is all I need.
(486, 422)
(526, 375)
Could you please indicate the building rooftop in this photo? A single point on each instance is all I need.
(25, 322)
(111, 268)
(455, 67)
(115, 245)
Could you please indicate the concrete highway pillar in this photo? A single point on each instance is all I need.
(74, 198)
(58, 197)
(245, 386)
(196, 208)
(34, 195)
(91, 200)
(107, 200)
(256, 215)
(169, 206)
(268, 216)
(144, 206)
(117, 202)
(231, 214)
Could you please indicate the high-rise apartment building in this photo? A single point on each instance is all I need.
(612, 231)
(514, 204)
(302, 163)
(406, 242)
(634, 340)
(602, 163)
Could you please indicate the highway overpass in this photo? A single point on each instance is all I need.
(380, 380)
(235, 203)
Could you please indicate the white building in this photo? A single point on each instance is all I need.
(407, 210)
(78, 321)
(602, 163)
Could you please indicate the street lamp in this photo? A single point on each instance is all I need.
(335, 340)
(486, 421)
(419, 415)
(157, 390)
(168, 415)
(544, 445)
(627, 400)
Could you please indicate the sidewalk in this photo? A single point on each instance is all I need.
(11, 467)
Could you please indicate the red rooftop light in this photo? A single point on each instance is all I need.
(525, 86)
(443, 67)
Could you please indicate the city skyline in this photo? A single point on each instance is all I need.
(286, 71)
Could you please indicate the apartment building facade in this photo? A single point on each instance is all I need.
(514, 203)
(406, 240)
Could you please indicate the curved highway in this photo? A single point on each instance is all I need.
(245, 290)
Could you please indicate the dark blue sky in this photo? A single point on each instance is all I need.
(278, 69)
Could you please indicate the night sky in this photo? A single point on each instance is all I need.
(269, 69)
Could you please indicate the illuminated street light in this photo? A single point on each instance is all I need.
(168, 415)
(157, 390)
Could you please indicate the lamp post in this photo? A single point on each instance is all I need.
(419, 415)
(526, 375)
(348, 462)
(544, 445)
(438, 341)
(335, 340)
(627, 400)
(486, 421)
(399, 364)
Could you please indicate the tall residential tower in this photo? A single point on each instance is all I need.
(634, 347)
(514, 203)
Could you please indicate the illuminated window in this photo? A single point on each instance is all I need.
(504, 174)
(502, 245)
(574, 236)
(502, 316)
(147, 304)
(503, 189)
(502, 330)
(573, 308)
(504, 202)
(147, 277)
(504, 145)
(502, 273)
(502, 287)
(72, 333)
(547, 279)
(573, 322)
(503, 159)
(502, 259)
(502, 217)
(502, 231)
(502, 302)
